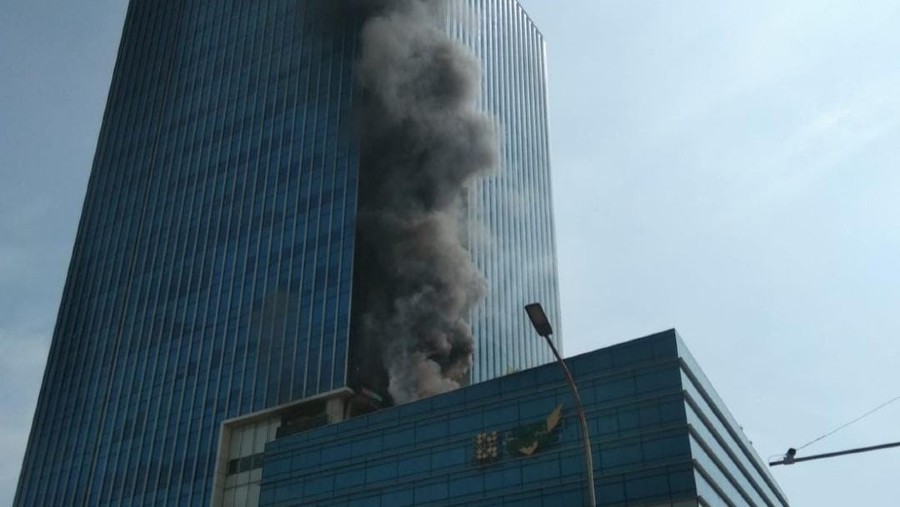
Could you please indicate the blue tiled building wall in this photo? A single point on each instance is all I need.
(423, 453)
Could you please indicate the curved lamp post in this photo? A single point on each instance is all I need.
(542, 325)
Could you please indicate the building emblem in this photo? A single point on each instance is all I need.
(524, 441)
(528, 440)
(487, 447)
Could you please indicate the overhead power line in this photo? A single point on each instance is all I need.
(839, 428)
(790, 457)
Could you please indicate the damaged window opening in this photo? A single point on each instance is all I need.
(245, 464)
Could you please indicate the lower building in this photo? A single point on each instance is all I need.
(660, 436)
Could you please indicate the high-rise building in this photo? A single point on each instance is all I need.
(513, 237)
(212, 274)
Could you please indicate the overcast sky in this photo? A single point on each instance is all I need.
(730, 169)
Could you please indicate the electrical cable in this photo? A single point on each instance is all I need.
(860, 418)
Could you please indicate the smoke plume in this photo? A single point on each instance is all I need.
(423, 142)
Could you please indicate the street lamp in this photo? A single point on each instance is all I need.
(542, 325)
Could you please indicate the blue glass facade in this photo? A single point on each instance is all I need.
(660, 437)
(211, 275)
(211, 272)
(511, 231)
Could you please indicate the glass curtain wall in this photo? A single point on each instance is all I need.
(212, 266)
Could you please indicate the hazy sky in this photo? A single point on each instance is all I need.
(731, 169)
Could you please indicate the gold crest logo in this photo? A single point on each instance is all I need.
(529, 439)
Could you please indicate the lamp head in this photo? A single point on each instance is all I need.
(539, 319)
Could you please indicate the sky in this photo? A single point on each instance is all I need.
(730, 169)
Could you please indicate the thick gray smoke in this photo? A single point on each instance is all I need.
(423, 143)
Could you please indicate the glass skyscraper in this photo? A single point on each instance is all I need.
(512, 237)
(212, 272)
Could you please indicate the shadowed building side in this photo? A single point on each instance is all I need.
(212, 267)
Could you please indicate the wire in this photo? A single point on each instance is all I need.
(860, 418)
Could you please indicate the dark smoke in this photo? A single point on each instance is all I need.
(423, 143)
